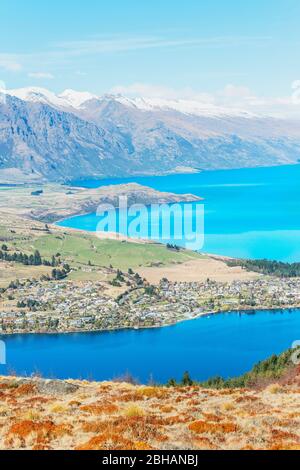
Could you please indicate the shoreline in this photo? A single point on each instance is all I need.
(166, 174)
(196, 171)
(197, 317)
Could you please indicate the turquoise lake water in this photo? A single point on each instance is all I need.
(249, 213)
(225, 344)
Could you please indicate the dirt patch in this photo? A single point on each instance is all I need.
(197, 271)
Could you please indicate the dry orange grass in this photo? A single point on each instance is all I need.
(202, 427)
(120, 416)
(100, 409)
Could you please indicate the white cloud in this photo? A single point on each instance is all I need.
(243, 97)
(64, 54)
(236, 95)
(145, 90)
(122, 44)
(234, 91)
(41, 75)
(10, 63)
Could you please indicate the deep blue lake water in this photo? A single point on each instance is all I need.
(225, 344)
(249, 213)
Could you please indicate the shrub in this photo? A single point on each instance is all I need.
(133, 411)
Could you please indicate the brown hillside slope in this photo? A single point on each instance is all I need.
(39, 414)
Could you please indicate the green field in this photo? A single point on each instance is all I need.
(84, 252)
(80, 249)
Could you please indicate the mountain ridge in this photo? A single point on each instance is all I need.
(49, 137)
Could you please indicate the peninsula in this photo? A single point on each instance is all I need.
(55, 279)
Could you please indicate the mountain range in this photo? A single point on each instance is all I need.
(49, 137)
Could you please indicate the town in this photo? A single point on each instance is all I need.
(67, 306)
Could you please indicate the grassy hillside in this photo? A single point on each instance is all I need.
(85, 253)
(79, 249)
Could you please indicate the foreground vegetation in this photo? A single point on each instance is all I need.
(265, 371)
(48, 414)
(262, 373)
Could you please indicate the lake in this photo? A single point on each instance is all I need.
(225, 344)
(249, 213)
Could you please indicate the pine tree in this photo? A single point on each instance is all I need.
(37, 258)
(172, 383)
(186, 380)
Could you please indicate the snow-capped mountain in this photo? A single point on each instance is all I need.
(65, 100)
(75, 99)
(187, 107)
(78, 134)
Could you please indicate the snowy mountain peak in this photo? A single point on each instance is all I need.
(77, 100)
(65, 100)
(187, 107)
(35, 94)
(80, 135)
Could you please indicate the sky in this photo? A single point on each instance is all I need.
(231, 52)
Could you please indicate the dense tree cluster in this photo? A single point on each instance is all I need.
(150, 290)
(59, 274)
(31, 304)
(27, 260)
(173, 247)
(264, 266)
